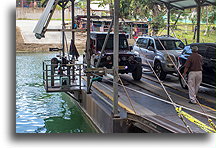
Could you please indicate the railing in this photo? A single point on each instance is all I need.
(62, 77)
(29, 4)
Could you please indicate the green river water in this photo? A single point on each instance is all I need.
(41, 112)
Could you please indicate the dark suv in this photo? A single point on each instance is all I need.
(208, 52)
(128, 61)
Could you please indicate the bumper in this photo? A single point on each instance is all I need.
(123, 67)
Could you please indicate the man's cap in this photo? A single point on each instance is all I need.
(194, 49)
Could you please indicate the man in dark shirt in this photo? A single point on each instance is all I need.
(193, 65)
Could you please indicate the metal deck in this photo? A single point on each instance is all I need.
(148, 113)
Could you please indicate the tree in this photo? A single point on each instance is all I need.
(140, 9)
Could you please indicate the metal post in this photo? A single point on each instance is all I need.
(88, 58)
(47, 83)
(207, 15)
(80, 76)
(168, 19)
(73, 37)
(72, 20)
(52, 75)
(43, 73)
(63, 27)
(198, 20)
(105, 43)
(69, 74)
(116, 57)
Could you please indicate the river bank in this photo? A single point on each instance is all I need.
(26, 41)
(21, 46)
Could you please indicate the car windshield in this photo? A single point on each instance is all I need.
(122, 44)
(169, 44)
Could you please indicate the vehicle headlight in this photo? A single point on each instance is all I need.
(124, 58)
(170, 58)
(108, 58)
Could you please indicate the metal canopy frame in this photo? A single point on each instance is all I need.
(186, 4)
(170, 4)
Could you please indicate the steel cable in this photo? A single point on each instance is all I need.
(209, 120)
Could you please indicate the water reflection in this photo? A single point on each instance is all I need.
(38, 111)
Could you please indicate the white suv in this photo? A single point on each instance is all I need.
(149, 48)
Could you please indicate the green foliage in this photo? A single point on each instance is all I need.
(209, 14)
(184, 31)
(81, 4)
(140, 9)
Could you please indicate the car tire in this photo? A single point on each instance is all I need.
(183, 85)
(137, 73)
(159, 71)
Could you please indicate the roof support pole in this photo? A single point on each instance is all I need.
(116, 57)
(198, 19)
(63, 27)
(168, 19)
(88, 58)
(72, 20)
(105, 43)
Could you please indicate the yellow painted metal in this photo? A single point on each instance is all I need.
(111, 98)
(200, 124)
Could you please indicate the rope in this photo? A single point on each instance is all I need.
(127, 94)
(168, 95)
(184, 81)
(159, 99)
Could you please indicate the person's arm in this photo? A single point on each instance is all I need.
(185, 71)
(187, 65)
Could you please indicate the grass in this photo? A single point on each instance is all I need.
(184, 32)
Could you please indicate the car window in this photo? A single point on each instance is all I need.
(211, 53)
(139, 42)
(122, 44)
(169, 44)
(180, 44)
(144, 43)
(151, 43)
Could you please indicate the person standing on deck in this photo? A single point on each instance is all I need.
(193, 65)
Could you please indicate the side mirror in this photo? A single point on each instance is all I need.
(151, 48)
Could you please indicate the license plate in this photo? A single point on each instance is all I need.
(122, 68)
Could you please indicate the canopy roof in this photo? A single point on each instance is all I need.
(185, 4)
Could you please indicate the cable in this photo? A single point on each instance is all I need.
(209, 120)
(126, 93)
(159, 99)
(180, 116)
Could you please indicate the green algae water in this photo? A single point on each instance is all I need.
(41, 112)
